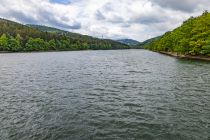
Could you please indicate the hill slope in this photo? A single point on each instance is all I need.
(142, 45)
(57, 31)
(129, 42)
(191, 38)
(18, 37)
(46, 28)
(146, 42)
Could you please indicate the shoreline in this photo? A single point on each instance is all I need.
(172, 54)
(2, 52)
(182, 56)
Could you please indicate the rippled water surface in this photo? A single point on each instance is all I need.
(124, 94)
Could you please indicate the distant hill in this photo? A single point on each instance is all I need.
(19, 37)
(142, 45)
(147, 42)
(191, 38)
(57, 31)
(46, 28)
(129, 42)
(138, 45)
(74, 35)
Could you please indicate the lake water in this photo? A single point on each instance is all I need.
(122, 94)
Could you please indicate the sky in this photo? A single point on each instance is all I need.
(113, 19)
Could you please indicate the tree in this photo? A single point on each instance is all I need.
(19, 37)
(52, 44)
(14, 44)
(206, 48)
(3, 43)
(36, 44)
(205, 12)
(192, 37)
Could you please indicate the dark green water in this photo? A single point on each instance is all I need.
(126, 94)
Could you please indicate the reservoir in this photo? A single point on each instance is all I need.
(117, 94)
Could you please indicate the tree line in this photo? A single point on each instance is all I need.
(191, 38)
(16, 37)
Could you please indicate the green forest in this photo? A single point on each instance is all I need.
(191, 38)
(15, 37)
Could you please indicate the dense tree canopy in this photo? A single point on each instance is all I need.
(17, 37)
(192, 38)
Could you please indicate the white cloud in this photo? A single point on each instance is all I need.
(137, 19)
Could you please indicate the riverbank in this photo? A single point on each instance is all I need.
(43, 51)
(182, 56)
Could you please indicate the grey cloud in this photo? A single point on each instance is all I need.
(57, 23)
(61, 1)
(138, 19)
(61, 22)
(44, 17)
(181, 5)
(126, 25)
(113, 19)
(111, 15)
(20, 16)
(108, 7)
(116, 19)
(65, 19)
(148, 20)
(99, 15)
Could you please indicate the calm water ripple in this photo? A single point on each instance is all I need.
(124, 94)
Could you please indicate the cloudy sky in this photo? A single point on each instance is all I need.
(115, 19)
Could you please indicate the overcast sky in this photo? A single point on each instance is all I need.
(115, 19)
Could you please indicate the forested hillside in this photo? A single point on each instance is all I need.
(18, 37)
(191, 38)
(129, 42)
(59, 31)
(144, 44)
